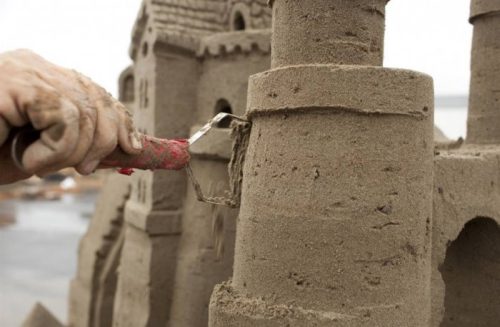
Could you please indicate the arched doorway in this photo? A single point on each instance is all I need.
(471, 273)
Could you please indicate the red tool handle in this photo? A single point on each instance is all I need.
(156, 154)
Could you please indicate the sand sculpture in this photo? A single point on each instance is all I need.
(335, 219)
(357, 252)
(227, 59)
(354, 211)
(466, 234)
(191, 60)
(92, 291)
(41, 317)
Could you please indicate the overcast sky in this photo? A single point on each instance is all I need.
(92, 36)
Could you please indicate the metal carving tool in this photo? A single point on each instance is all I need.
(208, 126)
(157, 154)
(229, 202)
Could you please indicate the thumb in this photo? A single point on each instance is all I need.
(128, 138)
(59, 128)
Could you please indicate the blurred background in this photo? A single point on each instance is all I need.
(41, 222)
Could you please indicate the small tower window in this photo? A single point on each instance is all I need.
(240, 17)
(145, 49)
(143, 94)
(223, 106)
(128, 89)
(239, 23)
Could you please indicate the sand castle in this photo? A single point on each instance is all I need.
(191, 60)
(352, 214)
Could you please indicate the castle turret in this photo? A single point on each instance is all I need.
(168, 70)
(335, 219)
(206, 249)
(483, 124)
(164, 45)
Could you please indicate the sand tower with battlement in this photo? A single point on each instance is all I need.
(334, 225)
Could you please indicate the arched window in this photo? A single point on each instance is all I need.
(239, 23)
(126, 86)
(143, 94)
(128, 89)
(239, 19)
(223, 106)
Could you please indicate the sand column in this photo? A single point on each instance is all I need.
(328, 32)
(337, 192)
(484, 103)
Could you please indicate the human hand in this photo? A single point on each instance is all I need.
(80, 123)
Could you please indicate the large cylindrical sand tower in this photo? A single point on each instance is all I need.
(334, 226)
(483, 125)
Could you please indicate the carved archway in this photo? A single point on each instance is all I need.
(471, 273)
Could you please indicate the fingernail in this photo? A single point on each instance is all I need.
(136, 141)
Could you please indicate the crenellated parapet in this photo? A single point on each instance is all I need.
(242, 42)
